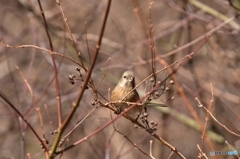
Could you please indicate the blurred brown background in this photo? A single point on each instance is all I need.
(125, 41)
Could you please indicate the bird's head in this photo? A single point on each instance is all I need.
(127, 79)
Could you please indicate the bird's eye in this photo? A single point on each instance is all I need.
(124, 76)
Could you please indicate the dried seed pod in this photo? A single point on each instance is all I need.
(162, 87)
(152, 79)
(156, 94)
(145, 114)
(78, 69)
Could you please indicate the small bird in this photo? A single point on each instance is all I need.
(124, 86)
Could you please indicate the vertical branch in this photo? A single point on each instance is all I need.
(136, 10)
(70, 33)
(76, 104)
(206, 119)
(85, 30)
(54, 66)
(34, 103)
(152, 46)
(75, 46)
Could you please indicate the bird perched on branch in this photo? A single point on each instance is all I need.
(124, 92)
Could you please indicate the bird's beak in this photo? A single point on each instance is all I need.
(130, 79)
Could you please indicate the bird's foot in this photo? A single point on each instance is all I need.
(118, 110)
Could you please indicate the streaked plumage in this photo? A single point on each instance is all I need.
(124, 86)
